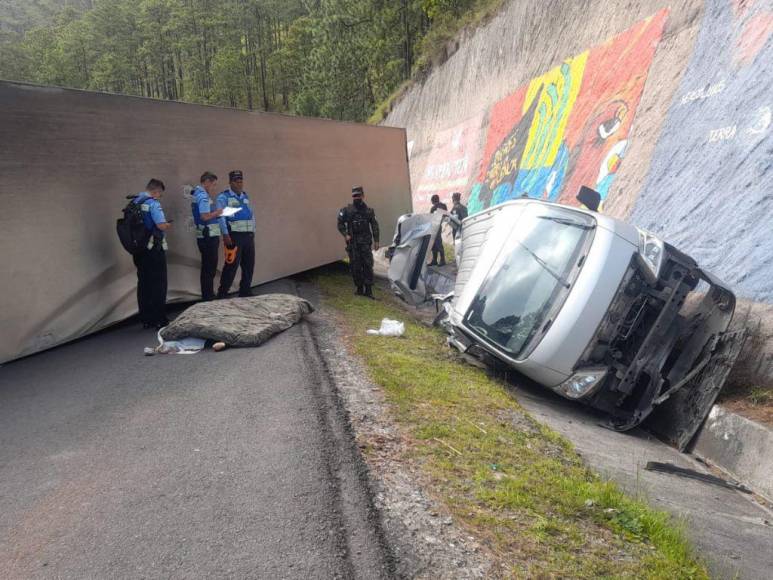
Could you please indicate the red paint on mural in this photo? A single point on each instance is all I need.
(753, 36)
(505, 114)
(612, 85)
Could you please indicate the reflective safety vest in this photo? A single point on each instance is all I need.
(243, 220)
(212, 225)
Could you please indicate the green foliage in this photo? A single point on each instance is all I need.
(760, 396)
(330, 58)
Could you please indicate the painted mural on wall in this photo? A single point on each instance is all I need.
(568, 127)
(710, 185)
(451, 164)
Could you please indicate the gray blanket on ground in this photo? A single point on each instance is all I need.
(239, 321)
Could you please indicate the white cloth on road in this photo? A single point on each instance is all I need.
(389, 328)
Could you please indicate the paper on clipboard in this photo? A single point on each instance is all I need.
(229, 211)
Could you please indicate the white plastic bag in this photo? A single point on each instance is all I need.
(389, 328)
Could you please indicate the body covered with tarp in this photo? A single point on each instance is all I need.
(240, 321)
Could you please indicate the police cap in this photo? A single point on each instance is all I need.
(235, 174)
(357, 191)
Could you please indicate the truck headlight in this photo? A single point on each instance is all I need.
(582, 383)
(651, 251)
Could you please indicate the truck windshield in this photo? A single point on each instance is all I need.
(528, 276)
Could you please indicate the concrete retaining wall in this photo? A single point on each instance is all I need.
(741, 447)
(664, 107)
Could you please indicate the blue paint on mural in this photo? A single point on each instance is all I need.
(542, 181)
(710, 185)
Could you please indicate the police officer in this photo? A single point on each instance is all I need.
(357, 224)
(151, 262)
(207, 232)
(238, 232)
(437, 246)
(458, 210)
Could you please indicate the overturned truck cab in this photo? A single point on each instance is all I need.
(591, 307)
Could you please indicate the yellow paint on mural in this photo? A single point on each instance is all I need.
(557, 90)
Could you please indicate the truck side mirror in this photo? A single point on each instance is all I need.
(590, 198)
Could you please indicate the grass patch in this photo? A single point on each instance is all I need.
(450, 251)
(760, 396)
(516, 484)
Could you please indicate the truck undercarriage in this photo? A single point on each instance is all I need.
(667, 347)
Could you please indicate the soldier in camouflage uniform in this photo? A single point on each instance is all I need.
(357, 224)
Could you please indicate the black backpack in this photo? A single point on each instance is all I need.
(132, 233)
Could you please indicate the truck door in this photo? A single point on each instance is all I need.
(408, 267)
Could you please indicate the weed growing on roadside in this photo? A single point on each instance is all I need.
(760, 396)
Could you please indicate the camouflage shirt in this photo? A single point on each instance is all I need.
(360, 224)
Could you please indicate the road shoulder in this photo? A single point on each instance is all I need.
(515, 487)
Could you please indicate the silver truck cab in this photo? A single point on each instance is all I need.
(586, 305)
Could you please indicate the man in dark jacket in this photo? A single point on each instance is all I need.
(459, 211)
(357, 224)
(437, 246)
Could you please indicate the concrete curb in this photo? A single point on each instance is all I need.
(739, 446)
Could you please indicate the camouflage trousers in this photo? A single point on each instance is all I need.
(361, 263)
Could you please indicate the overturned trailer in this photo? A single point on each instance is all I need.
(591, 307)
(68, 159)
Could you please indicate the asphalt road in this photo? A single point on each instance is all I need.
(234, 464)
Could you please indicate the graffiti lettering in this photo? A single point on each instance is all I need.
(723, 134)
(450, 164)
(704, 92)
(448, 169)
(503, 164)
(759, 126)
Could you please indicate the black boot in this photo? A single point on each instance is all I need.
(369, 292)
(359, 291)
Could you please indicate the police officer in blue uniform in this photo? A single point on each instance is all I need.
(238, 231)
(151, 262)
(205, 216)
